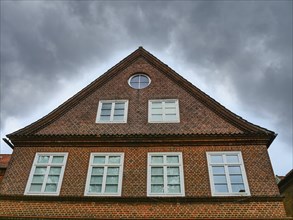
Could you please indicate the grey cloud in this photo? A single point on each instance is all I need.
(248, 42)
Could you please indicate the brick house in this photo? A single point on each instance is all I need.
(4, 160)
(141, 142)
(285, 184)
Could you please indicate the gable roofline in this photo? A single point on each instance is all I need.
(205, 99)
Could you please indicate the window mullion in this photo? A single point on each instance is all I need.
(104, 179)
(163, 110)
(46, 178)
(112, 111)
(165, 179)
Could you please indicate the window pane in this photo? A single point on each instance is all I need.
(35, 188)
(95, 188)
(173, 180)
(96, 180)
(118, 118)
(53, 179)
(135, 79)
(217, 159)
(156, 105)
(57, 159)
(157, 180)
(236, 179)
(143, 85)
(51, 188)
(170, 104)
(157, 188)
(157, 171)
(55, 170)
(119, 106)
(105, 118)
(43, 159)
(218, 170)
(40, 170)
(144, 79)
(38, 179)
(238, 188)
(157, 111)
(170, 117)
(173, 170)
(119, 112)
(157, 159)
(114, 159)
(174, 189)
(97, 171)
(156, 117)
(232, 159)
(170, 111)
(111, 188)
(221, 187)
(99, 160)
(106, 112)
(112, 180)
(113, 171)
(106, 106)
(172, 159)
(134, 85)
(220, 179)
(234, 169)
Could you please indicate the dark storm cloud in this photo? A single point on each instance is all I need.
(247, 42)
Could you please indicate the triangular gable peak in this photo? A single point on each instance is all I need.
(207, 117)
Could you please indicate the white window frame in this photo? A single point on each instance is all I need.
(139, 74)
(105, 166)
(47, 165)
(112, 111)
(165, 165)
(164, 112)
(226, 164)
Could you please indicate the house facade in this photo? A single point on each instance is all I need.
(141, 142)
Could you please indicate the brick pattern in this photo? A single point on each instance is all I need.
(257, 164)
(195, 117)
(104, 210)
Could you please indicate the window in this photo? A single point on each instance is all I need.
(166, 111)
(105, 174)
(46, 174)
(165, 174)
(139, 81)
(112, 111)
(227, 174)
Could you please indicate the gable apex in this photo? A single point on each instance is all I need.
(235, 120)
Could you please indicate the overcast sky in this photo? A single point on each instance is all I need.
(238, 52)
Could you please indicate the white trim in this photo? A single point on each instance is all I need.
(47, 165)
(163, 101)
(226, 164)
(105, 166)
(164, 165)
(139, 74)
(113, 102)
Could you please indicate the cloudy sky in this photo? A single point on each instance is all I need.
(238, 52)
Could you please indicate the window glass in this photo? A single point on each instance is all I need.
(105, 174)
(165, 174)
(163, 111)
(227, 174)
(46, 174)
(139, 81)
(112, 112)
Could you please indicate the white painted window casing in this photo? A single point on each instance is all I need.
(227, 174)
(164, 111)
(112, 111)
(165, 174)
(105, 174)
(46, 174)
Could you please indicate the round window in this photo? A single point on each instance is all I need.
(139, 81)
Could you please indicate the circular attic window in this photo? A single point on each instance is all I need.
(139, 81)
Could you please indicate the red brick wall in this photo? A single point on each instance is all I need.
(103, 210)
(257, 164)
(194, 116)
